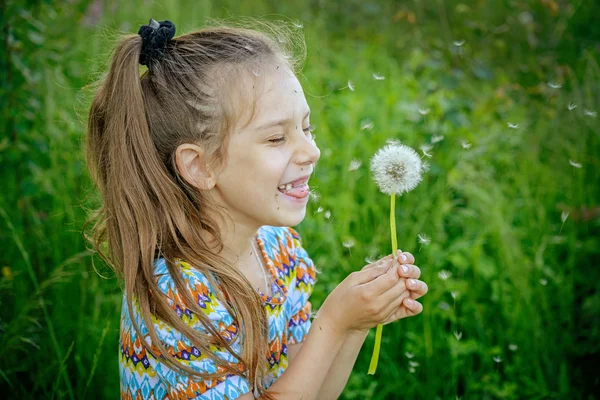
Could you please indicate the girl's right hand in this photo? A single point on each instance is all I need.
(366, 298)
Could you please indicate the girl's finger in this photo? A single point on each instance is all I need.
(409, 271)
(417, 288)
(406, 258)
(413, 306)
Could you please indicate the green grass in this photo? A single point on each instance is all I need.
(523, 295)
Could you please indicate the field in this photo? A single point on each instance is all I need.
(505, 93)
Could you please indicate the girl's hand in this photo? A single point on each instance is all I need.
(367, 298)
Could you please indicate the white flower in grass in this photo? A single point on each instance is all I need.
(436, 138)
(589, 113)
(444, 275)
(513, 126)
(397, 169)
(497, 359)
(425, 149)
(572, 106)
(354, 165)
(555, 85)
(513, 347)
(465, 144)
(458, 335)
(423, 239)
(575, 164)
(378, 77)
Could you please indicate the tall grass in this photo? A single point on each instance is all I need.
(514, 298)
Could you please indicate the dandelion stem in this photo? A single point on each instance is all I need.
(378, 333)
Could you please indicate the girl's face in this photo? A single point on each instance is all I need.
(274, 149)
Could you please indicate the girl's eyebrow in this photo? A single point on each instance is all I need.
(280, 122)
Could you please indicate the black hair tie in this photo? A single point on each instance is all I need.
(155, 36)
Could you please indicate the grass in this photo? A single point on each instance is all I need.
(516, 315)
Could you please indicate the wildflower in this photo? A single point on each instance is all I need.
(497, 359)
(572, 106)
(444, 275)
(465, 144)
(378, 77)
(424, 111)
(435, 139)
(397, 169)
(458, 335)
(459, 43)
(366, 124)
(513, 126)
(555, 85)
(425, 149)
(575, 164)
(354, 165)
(589, 113)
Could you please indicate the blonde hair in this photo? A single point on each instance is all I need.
(136, 122)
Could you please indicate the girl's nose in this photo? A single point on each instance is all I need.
(309, 152)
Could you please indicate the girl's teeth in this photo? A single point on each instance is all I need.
(282, 187)
(288, 186)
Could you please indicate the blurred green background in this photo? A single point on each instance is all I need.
(505, 93)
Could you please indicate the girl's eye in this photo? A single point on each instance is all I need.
(277, 140)
(310, 129)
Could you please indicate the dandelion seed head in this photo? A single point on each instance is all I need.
(575, 164)
(397, 169)
(458, 335)
(572, 106)
(423, 239)
(354, 165)
(378, 77)
(555, 85)
(444, 275)
(436, 138)
(564, 215)
(589, 113)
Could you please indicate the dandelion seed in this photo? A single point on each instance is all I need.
(409, 355)
(397, 169)
(425, 149)
(394, 142)
(424, 111)
(454, 294)
(543, 282)
(513, 126)
(320, 209)
(589, 113)
(435, 139)
(572, 106)
(370, 260)
(465, 144)
(413, 364)
(497, 359)
(444, 306)
(298, 25)
(354, 165)
(256, 72)
(459, 43)
(349, 243)
(423, 239)
(555, 85)
(513, 347)
(444, 275)
(367, 124)
(458, 335)
(327, 214)
(378, 77)
(351, 85)
(411, 370)
(575, 164)
(426, 166)
(314, 195)
(563, 216)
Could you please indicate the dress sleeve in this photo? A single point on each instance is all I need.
(302, 287)
(179, 385)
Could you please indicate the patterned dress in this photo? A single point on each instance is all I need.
(288, 312)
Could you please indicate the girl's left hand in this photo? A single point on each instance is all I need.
(415, 288)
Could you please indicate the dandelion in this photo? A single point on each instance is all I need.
(354, 165)
(378, 77)
(465, 144)
(444, 275)
(366, 124)
(497, 359)
(425, 149)
(513, 347)
(435, 139)
(572, 106)
(458, 335)
(589, 113)
(575, 164)
(513, 126)
(555, 85)
(459, 43)
(424, 111)
(397, 169)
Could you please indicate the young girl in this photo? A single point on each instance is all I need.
(203, 164)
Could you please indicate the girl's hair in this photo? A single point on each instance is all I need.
(136, 123)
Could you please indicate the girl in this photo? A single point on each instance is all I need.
(203, 165)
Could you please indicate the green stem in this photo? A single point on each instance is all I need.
(378, 333)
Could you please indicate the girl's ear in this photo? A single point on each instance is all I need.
(192, 166)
